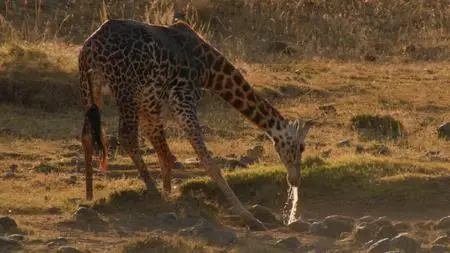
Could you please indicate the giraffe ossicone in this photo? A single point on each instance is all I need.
(146, 67)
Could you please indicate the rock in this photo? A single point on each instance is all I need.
(86, 215)
(290, 243)
(444, 240)
(328, 108)
(406, 243)
(13, 168)
(72, 179)
(380, 149)
(46, 168)
(7, 244)
(363, 234)
(57, 242)
(343, 143)
(319, 228)
(7, 224)
(387, 231)
(444, 131)
(167, 217)
(8, 174)
(67, 249)
(443, 223)
(402, 226)
(326, 153)
(263, 214)
(359, 148)
(381, 222)
(370, 57)
(438, 248)
(300, 226)
(279, 47)
(366, 218)
(338, 224)
(178, 166)
(380, 246)
(17, 237)
(253, 155)
(207, 232)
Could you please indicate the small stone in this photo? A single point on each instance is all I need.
(9, 174)
(167, 217)
(13, 168)
(67, 249)
(7, 224)
(253, 155)
(326, 153)
(290, 243)
(72, 180)
(86, 214)
(370, 57)
(444, 240)
(381, 150)
(387, 231)
(279, 47)
(263, 214)
(438, 248)
(329, 108)
(406, 243)
(443, 223)
(207, 232)
(359, 148)
(57, 242)
(363, 234)
(380, 246)
(444, 131)
(319, 228)
(17, 237)
(178, 166)
(343, 143)
(300, 226)
(338, 224)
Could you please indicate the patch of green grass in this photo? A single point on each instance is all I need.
(363, 180)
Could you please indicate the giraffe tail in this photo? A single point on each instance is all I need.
(97, 133)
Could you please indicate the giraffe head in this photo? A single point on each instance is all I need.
(290, 144)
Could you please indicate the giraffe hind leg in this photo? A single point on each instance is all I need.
(153, 131)
(129, 142)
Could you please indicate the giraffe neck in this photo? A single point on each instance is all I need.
(226, 81)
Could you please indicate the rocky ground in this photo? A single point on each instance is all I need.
(334, 233)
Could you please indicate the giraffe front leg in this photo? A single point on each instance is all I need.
(153, 131)
(187, 118)
(129, 141)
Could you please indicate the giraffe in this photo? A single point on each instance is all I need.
(144, 67)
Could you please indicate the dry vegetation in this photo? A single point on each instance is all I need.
(365, 58)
